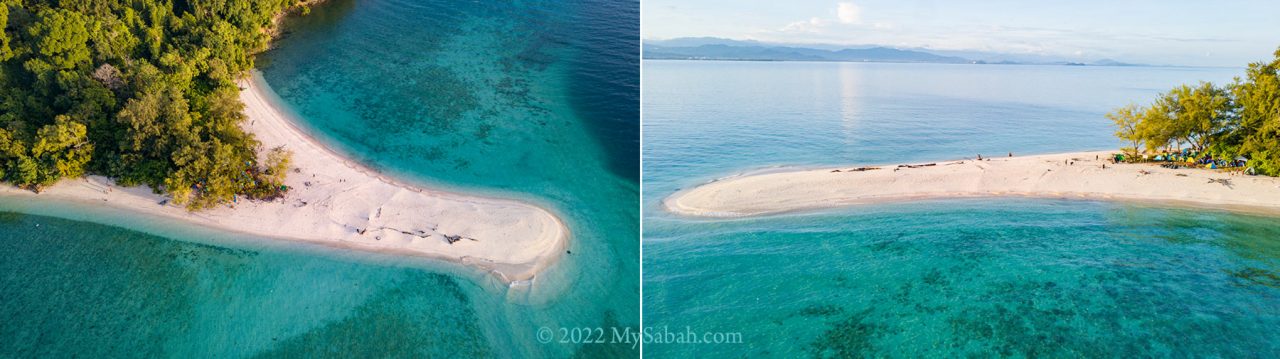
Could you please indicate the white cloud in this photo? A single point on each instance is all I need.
(846, 13)
(813, 25)
(849, 13)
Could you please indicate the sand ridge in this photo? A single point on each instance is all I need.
(337, 202)
(1069, 175)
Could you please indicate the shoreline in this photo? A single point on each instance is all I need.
(336, 202)
(1075, 175)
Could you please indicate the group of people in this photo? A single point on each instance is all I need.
(1187, 158)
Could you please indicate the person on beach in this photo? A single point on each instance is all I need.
(979, 156)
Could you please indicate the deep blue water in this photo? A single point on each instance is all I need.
(951, 278)
(606, 73)
(532, 100)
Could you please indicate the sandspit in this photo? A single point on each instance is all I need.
(1080, 175)
(336, 202)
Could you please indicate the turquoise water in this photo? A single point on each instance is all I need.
(75, 288)
(986, 277)
(531, 100)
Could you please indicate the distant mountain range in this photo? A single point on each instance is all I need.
(710, 48)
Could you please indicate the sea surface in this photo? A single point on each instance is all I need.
(942, 278)
(529, 100)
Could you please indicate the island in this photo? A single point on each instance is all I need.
(156, 110)
(1081, 175)
(1203, 145)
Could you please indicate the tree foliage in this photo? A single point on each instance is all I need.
(141, 91)
(61, 39)
(1240, 119)
(1127, 120)
(5, 51)
(1258, 98)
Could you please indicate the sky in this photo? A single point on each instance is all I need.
(1193, 33)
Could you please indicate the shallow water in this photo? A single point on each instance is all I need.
(534, 101)
(75, 288)
(1010, 277)
(529, 100)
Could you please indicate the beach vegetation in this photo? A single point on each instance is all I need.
(141, 91)
(1197, 114)
(1222, 123)
(1257, 97)
(1127, 120)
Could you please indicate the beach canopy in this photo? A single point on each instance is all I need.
(1241, 158)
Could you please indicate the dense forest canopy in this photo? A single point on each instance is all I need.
(1241, 119)
(142, 91)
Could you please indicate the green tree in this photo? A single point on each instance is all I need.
(1258, 97)
(61, 150)
(5, 52)
(1157, 128)
(62, 38)
(113, 41)
(10, 150)
(1198, 113)
(1240, 119)
(278, 161)
(19, 168)
(142, 91)
(1127, 120)
(24, 171)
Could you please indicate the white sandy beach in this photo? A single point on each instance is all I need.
(334, 201)
(1043, 176)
